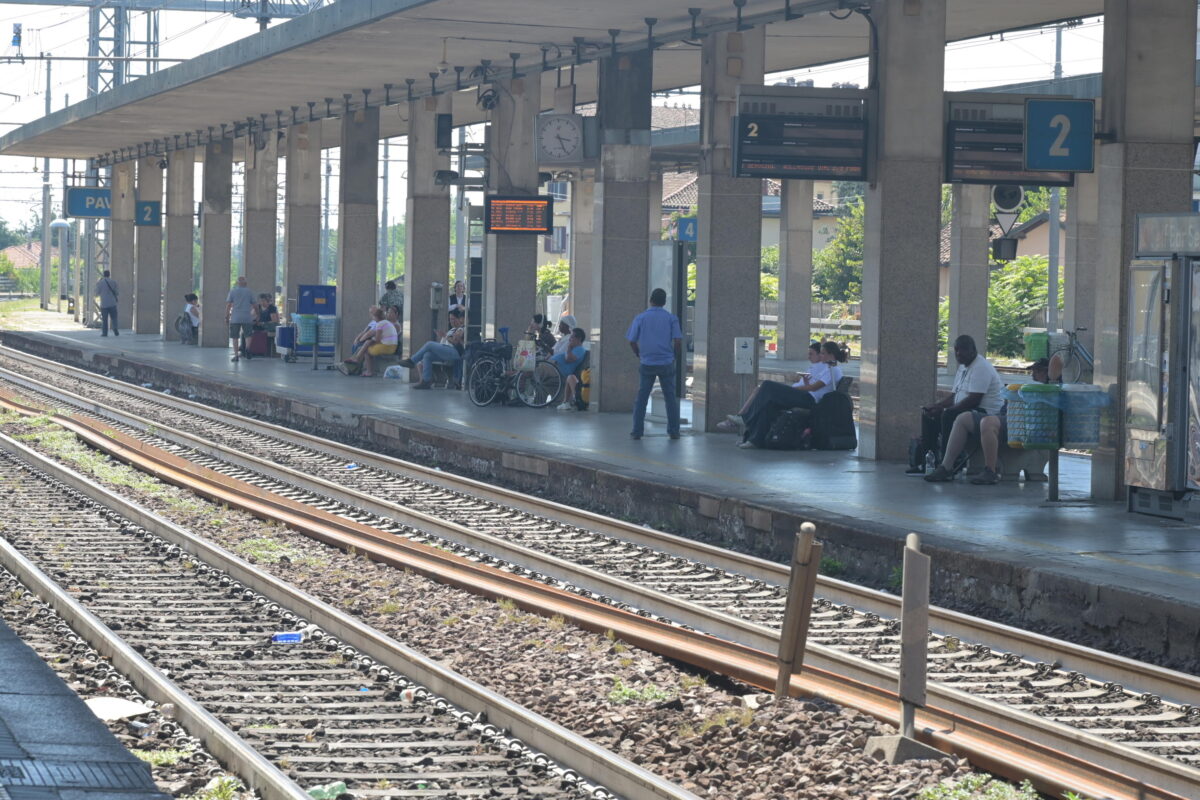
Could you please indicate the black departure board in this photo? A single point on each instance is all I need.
(518, 214)
(992, 151)
(800, 146)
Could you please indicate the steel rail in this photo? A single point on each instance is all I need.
(1168, 684)
(236, 755)
(567, 748)
(994, 737)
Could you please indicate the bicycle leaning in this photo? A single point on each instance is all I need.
(491, 378)
(1073, 357)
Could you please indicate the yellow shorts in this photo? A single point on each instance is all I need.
(381, 349)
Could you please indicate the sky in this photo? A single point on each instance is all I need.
(62, 31)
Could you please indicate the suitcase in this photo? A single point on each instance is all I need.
(258, 344)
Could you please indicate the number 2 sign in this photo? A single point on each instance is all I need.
(148, 213)
(1059, 135)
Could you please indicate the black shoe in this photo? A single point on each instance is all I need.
(407, 363)
(423, 385)
(986, 478)
(116, 333)
(917, 470)
(635, 436)
(940, 475)
(674, 435)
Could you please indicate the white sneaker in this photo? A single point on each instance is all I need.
(565, 407)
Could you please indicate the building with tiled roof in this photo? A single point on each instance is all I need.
(24, 256)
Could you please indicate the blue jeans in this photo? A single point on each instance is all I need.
(435, 351)
(665, 373)
(108, 313)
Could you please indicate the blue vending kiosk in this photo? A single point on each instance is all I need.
(316, 322)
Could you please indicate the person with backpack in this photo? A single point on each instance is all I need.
(772, 398)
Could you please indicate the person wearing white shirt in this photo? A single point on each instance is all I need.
(771, 398)
(977, 389)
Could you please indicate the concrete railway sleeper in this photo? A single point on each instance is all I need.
(866, 692)
(192, 634)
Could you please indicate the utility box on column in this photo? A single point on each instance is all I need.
(743, 355)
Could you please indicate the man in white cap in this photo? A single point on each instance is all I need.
(565, 325)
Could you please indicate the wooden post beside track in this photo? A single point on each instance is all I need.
(806, 561)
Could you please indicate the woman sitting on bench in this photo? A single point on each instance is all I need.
(771, 397)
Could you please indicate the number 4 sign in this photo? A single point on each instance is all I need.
(1059, 135)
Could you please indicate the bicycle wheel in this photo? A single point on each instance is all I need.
(483, 384)
(540, 387)
(1072, 364)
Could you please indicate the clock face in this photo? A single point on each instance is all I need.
(560, 138)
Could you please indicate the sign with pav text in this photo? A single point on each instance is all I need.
(89, 202)
(93, 202)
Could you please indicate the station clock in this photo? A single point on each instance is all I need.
(558, 139)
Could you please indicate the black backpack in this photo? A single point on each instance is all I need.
(833, 423)
(788, 431)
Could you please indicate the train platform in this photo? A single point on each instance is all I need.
(51, 744)
(1078, 567)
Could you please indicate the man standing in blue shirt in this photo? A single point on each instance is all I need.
(657, 340)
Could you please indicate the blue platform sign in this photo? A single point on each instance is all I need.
(148, 213)
(89, 202)
(687, 229)
(1059, 135)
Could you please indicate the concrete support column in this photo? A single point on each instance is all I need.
(120, 241)
(302, 209)
(358, 222)
(728, 252)
(583, 195)
(177, 271)
(969, 259)
(795, 268)
(510, 263)
(148, 268)
(427, 217)
(1079, 299)
(216, 236)
(900, 280)
(262, 201)
(1149, 63)
(621, 232)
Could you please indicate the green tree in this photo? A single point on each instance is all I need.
(1016, 292)
(553, 278)
(837, 267)
(848, 192)
(770, 260)
(8, 237)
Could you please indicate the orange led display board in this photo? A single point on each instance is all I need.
(518, 214)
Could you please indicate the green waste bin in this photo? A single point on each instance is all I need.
(1037, 345)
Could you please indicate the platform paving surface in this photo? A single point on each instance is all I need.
(51, 744)
(1075, 557)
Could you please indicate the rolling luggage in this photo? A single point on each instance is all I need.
(258, 344)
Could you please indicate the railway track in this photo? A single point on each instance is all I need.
(283, 715)
(734, 596)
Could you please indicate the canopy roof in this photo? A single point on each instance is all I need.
(353, 45)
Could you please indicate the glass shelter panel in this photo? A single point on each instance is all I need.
(1144, 370)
